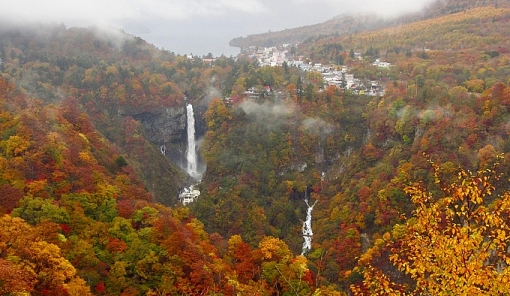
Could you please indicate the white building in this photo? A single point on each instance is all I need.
(188, 196)
(380, 64)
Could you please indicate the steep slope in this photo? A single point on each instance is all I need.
(341, 25)
(344, 25)
(475, 30)
(446, 99)
(269, 152)
(132, 91)
(75, 219)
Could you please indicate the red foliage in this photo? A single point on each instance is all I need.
(14, 278)
(115, 245)
(102, 268)
(307, 277)
(245, 265)
(363, 193)
(65, 229)
(100, 288)
(130, 291)
(10, 196)
(347, 247)
(127, 207)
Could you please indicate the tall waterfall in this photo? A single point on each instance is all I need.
(307, 229)
(191, 153)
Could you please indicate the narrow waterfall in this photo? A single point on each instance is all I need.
(191, 153)
(190, 194)
(307, 229)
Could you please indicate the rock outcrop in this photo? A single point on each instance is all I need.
(165, 126)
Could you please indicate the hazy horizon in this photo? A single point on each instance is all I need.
(197, 27)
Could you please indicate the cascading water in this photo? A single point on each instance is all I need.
(307, 228)
(191, 153)
(189, 195)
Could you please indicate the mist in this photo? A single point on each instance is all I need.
(196, 26)
(268, 114)
(317, 126)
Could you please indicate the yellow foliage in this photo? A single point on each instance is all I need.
(85, 156)
(107, 190)
(454, 245)
(14, 146)
(475, 85)
(233, 241)
(198, 228)
(36, 188)
(300, 264)
(272, 247)
(77, 287)
(85, 140)
(40, 259)
(112, 70)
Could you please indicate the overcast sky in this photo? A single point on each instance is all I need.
(196, 26)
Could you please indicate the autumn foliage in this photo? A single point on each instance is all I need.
(455, 243)
(82, 188)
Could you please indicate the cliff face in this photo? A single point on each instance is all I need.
(166, 129)
(167, 126)
(165, 132)
(200, 125)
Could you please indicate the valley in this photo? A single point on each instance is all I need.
(357, 163)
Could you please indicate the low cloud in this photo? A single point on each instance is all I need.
(433, 114)
(119, 12)
(170, 23)
(211, 92)
(269, 114)
(383, 8)
(317, 126)
(115, 36)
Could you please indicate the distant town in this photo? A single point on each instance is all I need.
(333, 75)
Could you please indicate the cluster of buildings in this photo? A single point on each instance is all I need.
(189, 195)
(276, 56)
(271, 56)
(344, 80)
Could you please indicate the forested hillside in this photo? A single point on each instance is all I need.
(133, 92)
(409, 189)
(348, 25)
(77, 220)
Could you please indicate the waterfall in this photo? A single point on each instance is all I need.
(191, 153)
(191, 194)
(307, 228)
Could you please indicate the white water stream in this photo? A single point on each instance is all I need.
(307, 229)
(191, 153)
(189, 195)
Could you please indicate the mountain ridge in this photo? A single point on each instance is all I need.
(292, 141)
(354, 23)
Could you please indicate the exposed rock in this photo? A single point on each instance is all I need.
(200, 125)
(168, 126)
(365, 242)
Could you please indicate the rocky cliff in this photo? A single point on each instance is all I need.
(166, 129)
(166, 126)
